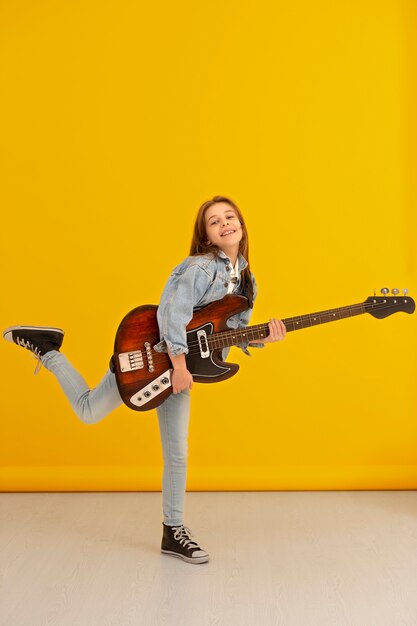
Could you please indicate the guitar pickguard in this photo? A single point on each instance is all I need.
(201, 361)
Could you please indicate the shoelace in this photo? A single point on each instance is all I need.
(183, 535)
(31, 347)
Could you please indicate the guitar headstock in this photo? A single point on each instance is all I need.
(385, 305)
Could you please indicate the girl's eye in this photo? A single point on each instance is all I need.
(228, 217)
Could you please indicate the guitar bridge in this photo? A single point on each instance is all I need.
(130, 361)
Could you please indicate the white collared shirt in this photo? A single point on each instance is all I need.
(234, 274)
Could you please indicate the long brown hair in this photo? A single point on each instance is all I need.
(200, 245)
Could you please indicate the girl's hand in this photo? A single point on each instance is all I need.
(181, 379)
(277, 332)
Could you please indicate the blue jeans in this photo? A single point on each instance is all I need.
(92, 405)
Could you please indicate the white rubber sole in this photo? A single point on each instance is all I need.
(48, 328)
(197, 560)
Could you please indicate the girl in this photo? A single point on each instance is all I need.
(218, 264)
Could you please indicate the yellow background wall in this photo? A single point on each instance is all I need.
(117, 120)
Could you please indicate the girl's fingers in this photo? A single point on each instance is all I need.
(277, 330)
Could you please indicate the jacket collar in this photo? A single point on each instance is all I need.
(242, 261)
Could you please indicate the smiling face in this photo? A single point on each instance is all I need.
(223, 228)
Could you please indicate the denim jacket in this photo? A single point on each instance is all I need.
(194, 283)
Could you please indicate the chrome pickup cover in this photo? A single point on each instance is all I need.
(203, 344)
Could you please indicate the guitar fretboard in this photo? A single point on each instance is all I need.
(250, 334)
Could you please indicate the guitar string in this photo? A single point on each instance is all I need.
(252, 329)
(294, 320)
(306, 317)
(228, 334)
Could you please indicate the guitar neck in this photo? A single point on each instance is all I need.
(232, 337)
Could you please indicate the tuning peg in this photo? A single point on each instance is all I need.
(395, 291)
(384, 291)
(405, 291)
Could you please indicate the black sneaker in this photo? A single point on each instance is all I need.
(177, 541)
(37, 339)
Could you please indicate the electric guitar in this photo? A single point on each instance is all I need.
(144, 376)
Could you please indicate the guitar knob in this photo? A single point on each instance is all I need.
(155, 387)
(385, 291)
(165, 380)
(395, 291)
(405, 291)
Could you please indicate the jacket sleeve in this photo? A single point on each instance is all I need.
(180, 296)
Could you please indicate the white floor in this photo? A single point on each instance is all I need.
(285, 558)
